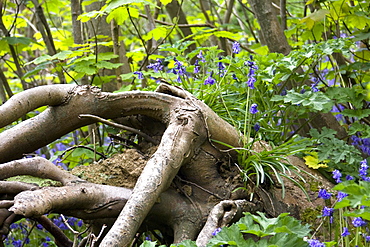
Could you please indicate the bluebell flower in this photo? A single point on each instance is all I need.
(315, 243)
(221, 67)
(157, 66)
(197, 67)
(327, 211)
(253, 109)
(236, 47)
(210, 80)
(17, 243)
(345, 232)
(216, 231)
(367, 239)
(349, 177)
(324, 194)
(337, 176)
(80, 223)
(201, 57)
(363, 168)
(139, 74)
(234, 77)
(358, 222)
(179, 69)
(251, 73)
(250, 82)
(256, 127)
(341, 195)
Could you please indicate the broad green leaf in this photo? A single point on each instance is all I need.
(165, 2)
(312, 161)
(120, 15)
(157, 33)
(85, 17)
(358, 113)
(185, 243)
(41, 59)
(147, 243)
(227, 34)
(113, 4)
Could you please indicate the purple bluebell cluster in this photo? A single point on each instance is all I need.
(157, 66)
(139, 74)
(324, 194)
(236, 48)
(216, 231)
(209, 80)
(315, 243)
(251, 73)
(337, 175)
(362, 143)
(253, 109)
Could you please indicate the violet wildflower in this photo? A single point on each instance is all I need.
(315, 243)
(253, 109)
(251, 74)
(358, 222)
(197, 67)
(327, 211)
(216, 231)
(367, 239)
(345, 232)
(179, 68)
(210, 80)
(324, 194)
(341, 195)
(363, 169)
(314, 85)
(157, 66)
(201, 57)
(256, 127)
(139, 74)
(250, 82)
(236, 47)
(221, 67)
(337, 175)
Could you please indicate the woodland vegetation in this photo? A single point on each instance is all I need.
(184, 123)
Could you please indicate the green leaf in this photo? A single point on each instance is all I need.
(185, 243)
(157, 33)
(165, 2)
(358, 113)
(107, 65)
(111, 5)
(147, 243)
(228, 235)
